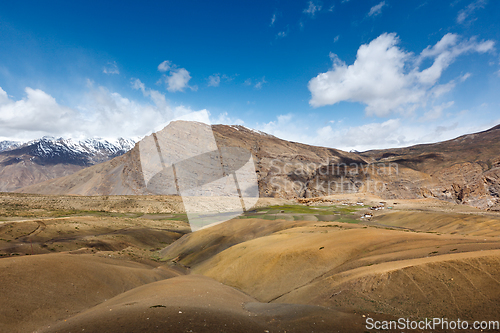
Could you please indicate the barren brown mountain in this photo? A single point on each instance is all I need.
(463, 170)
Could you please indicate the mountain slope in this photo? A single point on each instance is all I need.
(464, 170)
(273, 159)
(47, 158)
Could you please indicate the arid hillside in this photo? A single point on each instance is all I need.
(123, 175)
(114, 264)
(464, 170)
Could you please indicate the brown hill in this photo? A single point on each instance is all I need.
(20, 173)
(43, 289)
(196, 303)
(349, 267)
(464, 170)
(275, 159)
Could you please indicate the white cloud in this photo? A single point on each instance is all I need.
(312, 8)
(377, 9)
(285, 128)
(273, 19)
(37, 112)
(103, 114)
(4, 98)
(158, 98)
(229, 78)
(469, 10)
(177, 79)
(436, 112)
(391, 133)
(281, 34)
(214, 80)
(372, 135)
(259, 84)
(465, 77)
(387, 79)
(368, 136)
(331, 8)
(336, 39)
(223, 118)
(248, 82)
(111, 68)
(164, 66)
(445, 52)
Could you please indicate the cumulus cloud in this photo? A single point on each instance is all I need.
(368, 136)
(377, 9)
(312, 8)
(103, 113)
(37, 112)
(214, 80)
(388, 79)
(111, 68)
(177, 79)
(391, 133)
(469, 10)
(164, 66)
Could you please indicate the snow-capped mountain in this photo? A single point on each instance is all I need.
(83, 152)
(23, 164)
(7, 145)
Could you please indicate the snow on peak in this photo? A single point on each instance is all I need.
(87, 151)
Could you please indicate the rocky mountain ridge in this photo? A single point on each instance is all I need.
(463, 170)
(24, 164)
(8, 145)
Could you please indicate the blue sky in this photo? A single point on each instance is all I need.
(348, 74)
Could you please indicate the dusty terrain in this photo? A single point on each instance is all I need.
(111, 264)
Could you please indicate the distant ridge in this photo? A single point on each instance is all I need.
(497, 127)
(463, 170)
(24, 164)
(8, 145)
